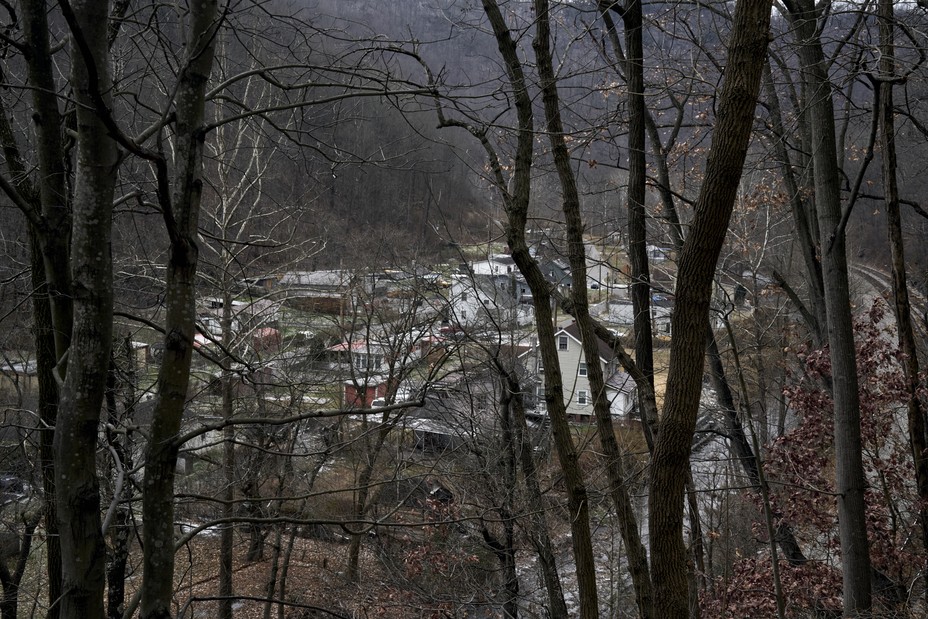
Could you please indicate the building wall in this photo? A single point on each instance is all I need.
(578, 396)
(576, 387)
(361, 396)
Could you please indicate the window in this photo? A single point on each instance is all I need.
(582, 370)
(582, 398)
(541, 365)
(541, 404)
(562, 342)
(368, 362)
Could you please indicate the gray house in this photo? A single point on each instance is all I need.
(620, 388)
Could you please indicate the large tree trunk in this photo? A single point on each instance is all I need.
(849, 476)
(747, 52)
(516, 203)
(576, 254)
(174, 375)
(51, 274)
(56, 216)
(903, 310)
(83, 550)
(637, 217)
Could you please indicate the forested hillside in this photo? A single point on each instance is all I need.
(446, 308)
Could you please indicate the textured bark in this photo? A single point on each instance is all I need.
(849, 478)
(227, 534)
(46, 355)
(48, 413)
(637, 217)
(903, 309)
(799, 207)
(83, 550)
(120, 531)
(52, 306)
(538, 525)
(638, 120)
(576, 254)
(516, 202)
(690, 321)
(56, 216)
(174, 375)
(641, 369)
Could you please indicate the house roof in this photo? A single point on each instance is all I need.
(356, 346)
(621, 381)
(501, 259)
(605, 351)
(319, 279)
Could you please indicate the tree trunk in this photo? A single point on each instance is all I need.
(48, 414)
(799, 207)
(372, 452)
(638, 122)
(576, 254)
(637, 217)
(538, 525)
(120, 528)
(56, 215)
(53, 308)
(227, 534)
(174, 374)
(504, 549)
(849, 478)
(517, 212)
(690, 320)
(83, 550)
(903, 309)
(161, 453)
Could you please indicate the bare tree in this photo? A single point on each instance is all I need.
(851, 484)
(737, 100)
(884, 83)
(77, 487)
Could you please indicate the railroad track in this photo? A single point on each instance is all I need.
(883, 285)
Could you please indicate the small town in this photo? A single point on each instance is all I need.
(442, 309)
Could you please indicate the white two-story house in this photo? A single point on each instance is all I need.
(620, 388)
(477, 300)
